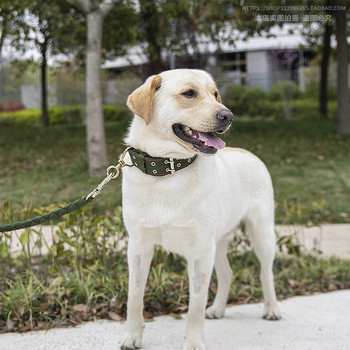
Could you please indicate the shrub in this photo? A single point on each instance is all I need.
(63, 115)
(249, 101)
(285, 88)
(265, 108)
(243, 95)
(11, 106)
(309, 107)
(254, 102)
(313, 86)
(118, 112)
(24, 116)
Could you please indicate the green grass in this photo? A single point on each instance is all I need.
(308, 162)
(309, 165)
(44, 166)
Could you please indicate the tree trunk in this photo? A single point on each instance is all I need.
(343, 112)
(96, 142)
(44, 112)
(2, 39)
(323, 97)
(3, 33)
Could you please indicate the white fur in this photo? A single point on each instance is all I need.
(195, 211)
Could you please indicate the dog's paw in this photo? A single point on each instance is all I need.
(214, 312)
(131, 341)
(193, 346)
(271, 314)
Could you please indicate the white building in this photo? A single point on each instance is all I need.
(248, 61)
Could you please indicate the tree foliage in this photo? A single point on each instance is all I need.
(189, 27)
(119, 30)
(11, 19)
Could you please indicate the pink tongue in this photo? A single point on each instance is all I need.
(212, 140)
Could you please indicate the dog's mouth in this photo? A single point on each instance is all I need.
(205, 142)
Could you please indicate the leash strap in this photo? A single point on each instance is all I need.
(46, 217)
(112, 173)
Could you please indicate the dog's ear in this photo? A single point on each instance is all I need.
(141, 100)
(218, 98)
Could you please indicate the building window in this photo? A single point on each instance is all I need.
(233, 61)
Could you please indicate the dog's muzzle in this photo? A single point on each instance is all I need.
(224, 118)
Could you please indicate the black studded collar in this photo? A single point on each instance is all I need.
(158, 166)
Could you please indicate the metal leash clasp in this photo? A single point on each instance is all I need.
(112, 172)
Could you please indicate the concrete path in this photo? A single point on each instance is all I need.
(331, 239)
(319, 322)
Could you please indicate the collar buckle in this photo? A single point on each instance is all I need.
(172, 166)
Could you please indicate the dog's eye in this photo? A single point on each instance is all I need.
(189, 93)
(216, 94)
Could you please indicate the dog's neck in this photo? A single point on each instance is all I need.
(158, 166)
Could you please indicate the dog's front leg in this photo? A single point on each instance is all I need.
(139, 259)
(200, 268)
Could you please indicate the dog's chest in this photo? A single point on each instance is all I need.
(171, 211)
(161, 205)
(166, 220)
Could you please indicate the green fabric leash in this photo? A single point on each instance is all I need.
(46, 217)
(112, 173)
(155, 166)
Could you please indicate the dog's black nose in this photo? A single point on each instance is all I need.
(224, 116)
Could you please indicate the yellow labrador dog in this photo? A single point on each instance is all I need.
(188, 193)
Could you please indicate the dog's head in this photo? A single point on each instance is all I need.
(184, 107)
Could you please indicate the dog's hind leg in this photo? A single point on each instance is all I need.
(139, 260)
(224, 277)
(263, 239)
